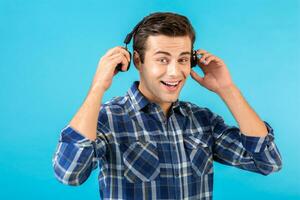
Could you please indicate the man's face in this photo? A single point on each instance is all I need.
(166, 62)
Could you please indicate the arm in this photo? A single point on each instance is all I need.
(78, 148)
(248, 121)
(83, 141)
(85, 120)
(251, 146)
(257, 151)
(76, 156)
(232, 147)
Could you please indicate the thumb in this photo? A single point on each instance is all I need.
(196, 77)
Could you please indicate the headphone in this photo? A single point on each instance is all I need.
(128, 39)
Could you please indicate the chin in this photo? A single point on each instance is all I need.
(170, 99)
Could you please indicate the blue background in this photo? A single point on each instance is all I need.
(49, 52)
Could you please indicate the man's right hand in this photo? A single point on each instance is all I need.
(106, 69)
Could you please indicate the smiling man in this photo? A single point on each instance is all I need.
(147, 143)
(164, 72)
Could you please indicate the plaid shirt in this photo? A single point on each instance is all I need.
(144, 155)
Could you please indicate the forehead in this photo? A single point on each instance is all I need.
(170, 44)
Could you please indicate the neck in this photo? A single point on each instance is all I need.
(165, 106)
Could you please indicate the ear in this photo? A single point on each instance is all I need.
(136, 60)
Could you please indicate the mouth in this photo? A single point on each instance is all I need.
(171, 86)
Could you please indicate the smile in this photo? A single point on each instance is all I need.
(171, 86)
(174, 84)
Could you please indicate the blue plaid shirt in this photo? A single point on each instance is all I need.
(142, 154)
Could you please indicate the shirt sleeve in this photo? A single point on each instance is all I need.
(76, 156)
(232, 147)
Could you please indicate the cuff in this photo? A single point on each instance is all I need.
(258, 144)
(70, 135)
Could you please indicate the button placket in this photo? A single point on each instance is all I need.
(173, 153)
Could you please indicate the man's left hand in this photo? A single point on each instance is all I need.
(216, 75)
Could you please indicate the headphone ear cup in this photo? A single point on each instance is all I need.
(119, 66)
(194, 59)
(130, 57)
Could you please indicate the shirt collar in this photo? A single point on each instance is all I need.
(139, 101)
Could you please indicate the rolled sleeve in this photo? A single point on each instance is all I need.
(232, 147)
(76, 156)
(258, 144)
(70, 135)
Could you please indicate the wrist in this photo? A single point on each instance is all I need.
(227, 91)
(97, 88)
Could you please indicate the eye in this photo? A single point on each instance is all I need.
(163, 60)
(184, 60)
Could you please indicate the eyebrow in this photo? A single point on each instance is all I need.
(167, 53)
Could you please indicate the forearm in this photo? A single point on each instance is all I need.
(76, 154)
(85, 120)
(249, 122)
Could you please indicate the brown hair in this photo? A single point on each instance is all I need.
(161, 23)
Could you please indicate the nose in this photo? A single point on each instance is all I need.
(173, 69)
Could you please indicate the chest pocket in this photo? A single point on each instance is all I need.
(141, 161)
(199, 154)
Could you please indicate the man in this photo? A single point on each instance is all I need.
(150, 145)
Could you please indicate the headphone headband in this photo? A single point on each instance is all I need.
(129, 35)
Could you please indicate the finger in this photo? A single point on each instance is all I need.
(110, 52)
(121, 50)
(196, 77)
(210, 58)
(116, 71)
(201, 51)
(120, 58)
(126, 54)
(207, 59)
(115, 59)
(204, 57)
(113, 50)
(125, 62)
(124, 51)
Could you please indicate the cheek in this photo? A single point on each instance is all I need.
(187, 70)
(154, 70)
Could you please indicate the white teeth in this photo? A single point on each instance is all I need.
(172, 83)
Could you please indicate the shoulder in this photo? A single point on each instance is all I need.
(200, 113)
(194, 109)
(111, 111)
(115, 105)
